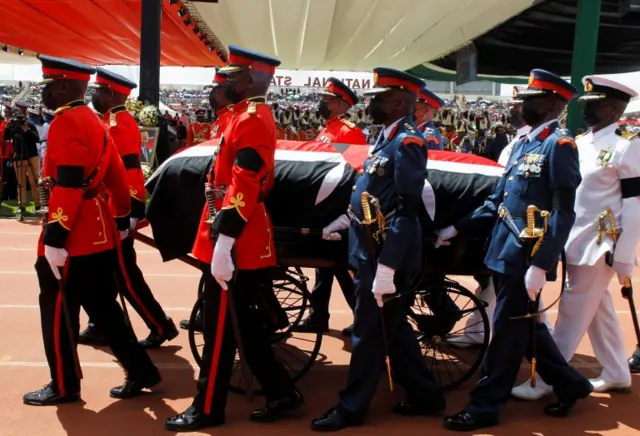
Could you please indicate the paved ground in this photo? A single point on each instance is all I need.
(23, 368)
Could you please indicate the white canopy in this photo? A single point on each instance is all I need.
(355, 35)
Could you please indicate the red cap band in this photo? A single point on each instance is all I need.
(219, 79)
(430, 101)
(548, 86)
(341, 92)
(397, 83)
(252, 63)
(53, 73)
(112, 85)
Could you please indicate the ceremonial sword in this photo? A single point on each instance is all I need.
(368, 221)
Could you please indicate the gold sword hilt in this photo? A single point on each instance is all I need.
(601, 227)
(366, 208)
(614, 233)
(531, 220)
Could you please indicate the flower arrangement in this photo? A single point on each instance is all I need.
(148, 116)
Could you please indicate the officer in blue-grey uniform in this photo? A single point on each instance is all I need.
(427, 107)
(543, 171)
(393, 176)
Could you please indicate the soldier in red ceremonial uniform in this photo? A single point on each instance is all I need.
(200, 130)
(337, 99)
(243, 252)
(77, 250)
(203, 246)
(109, 99)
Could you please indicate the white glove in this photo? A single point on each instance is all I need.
(624, 271)
(383, 283)
(133, 222)
(222, 265)
(534, 281)
(444, 235)
(330, 233)
(123, 234)
(56, 257)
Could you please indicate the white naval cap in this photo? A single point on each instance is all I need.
(597, 87)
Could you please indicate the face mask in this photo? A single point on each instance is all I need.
(530, 114)
(376, 112)
(590, 115)
(323, 108)
(231, 94)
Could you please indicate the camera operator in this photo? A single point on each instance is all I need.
(24, 136)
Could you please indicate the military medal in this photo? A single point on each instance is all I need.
(604, 156)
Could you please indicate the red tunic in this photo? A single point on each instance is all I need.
(197, 133)
(203, 246)
(126, 135)
(82, 159)
(246, 165)
(342, 131)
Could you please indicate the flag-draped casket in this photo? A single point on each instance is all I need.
(313, 186)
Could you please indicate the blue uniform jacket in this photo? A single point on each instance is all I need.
(429, 129)
(544, 172)
(394, 173)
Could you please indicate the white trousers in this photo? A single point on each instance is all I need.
(587, 307)
(474, 329)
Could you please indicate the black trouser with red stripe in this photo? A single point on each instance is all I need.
(88, 282)
(219, 351)
(139, 295)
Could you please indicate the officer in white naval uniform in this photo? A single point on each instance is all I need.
(610, 168)
(473, 331)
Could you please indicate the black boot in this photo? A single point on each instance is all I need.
(92, 336)
(155, 340)
(274, 410)
(133, 388)
(192, 420)
(49, 396)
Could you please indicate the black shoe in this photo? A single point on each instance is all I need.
(186, 325)
(274, 410)
(155, 340)
(133, 388)
(464, 421)
(333, 421)
(560, 409)
(348, 331)
(312, 324)
(92, 336)
(418, 409)
(48, 396)
(191, 420)
(634, 364)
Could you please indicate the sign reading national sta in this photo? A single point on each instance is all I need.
(318, 79)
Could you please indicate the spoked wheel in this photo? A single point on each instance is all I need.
(441, 313)
(296, 351)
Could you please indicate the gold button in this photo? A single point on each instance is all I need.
(526, 174)
(100, 234)
(515, 162)
(98, 219)
(510, 179)
(506, 194)
(353, 189)
(361, 171)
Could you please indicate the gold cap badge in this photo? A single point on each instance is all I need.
(514, 94)
(588, 85)
(531, 79)
(375, 79)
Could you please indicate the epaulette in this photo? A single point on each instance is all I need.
(626, 134)
(567, 140)
(252, 109)
(349, 124)
(113, 122)
(408, 140)
(410, 128)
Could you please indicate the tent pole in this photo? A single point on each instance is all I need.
(585, 48)
(151, 25)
